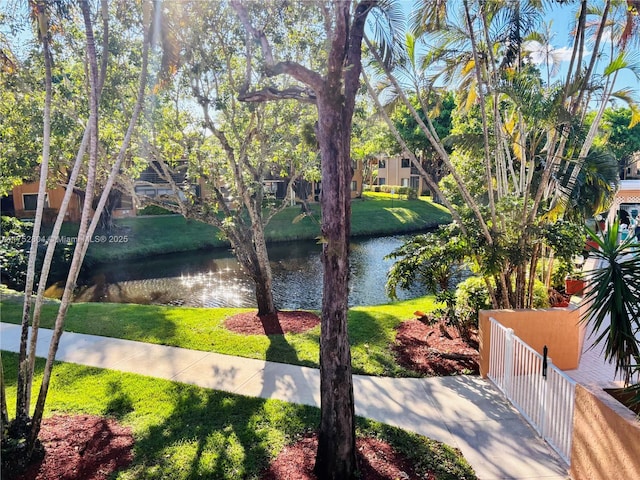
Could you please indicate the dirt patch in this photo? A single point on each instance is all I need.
(436, 349)
(249, 323)
(81, 447)
(377, 460)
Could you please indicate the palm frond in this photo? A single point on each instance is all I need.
(613, 296)
(428, 16)
(388, 24)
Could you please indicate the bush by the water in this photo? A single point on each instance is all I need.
(15, 244)
(154, 210)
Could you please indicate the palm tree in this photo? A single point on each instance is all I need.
(613, 296)
(530, 133)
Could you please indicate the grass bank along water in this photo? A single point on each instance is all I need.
(372, 330)
(375, 214)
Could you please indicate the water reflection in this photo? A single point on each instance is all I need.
(214, 279)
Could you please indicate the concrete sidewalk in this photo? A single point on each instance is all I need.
(464, 412)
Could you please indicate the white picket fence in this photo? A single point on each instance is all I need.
(544, 396)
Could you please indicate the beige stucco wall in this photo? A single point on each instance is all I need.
(606, 439)
(557, 328)
(55, 196)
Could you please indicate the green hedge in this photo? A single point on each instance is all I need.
(154, 210)
(411, 193)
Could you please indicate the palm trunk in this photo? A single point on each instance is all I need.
(483, 110)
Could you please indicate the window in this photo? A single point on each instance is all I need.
(406, 163)
(404, 182)
(382, 163)
(382, 181)
(354, 186)
(30, 201)
(146, 191)
(414, 170)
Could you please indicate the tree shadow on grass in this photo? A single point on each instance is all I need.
(372, 346)
(210, 434)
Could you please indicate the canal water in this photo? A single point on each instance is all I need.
(215, 279)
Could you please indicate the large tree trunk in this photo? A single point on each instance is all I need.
(335, 94)
(336, 439)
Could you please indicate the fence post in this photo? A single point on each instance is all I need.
(545, 396)
(508, 362)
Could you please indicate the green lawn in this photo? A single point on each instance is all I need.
(376, 214)
(371, 331)
(187, 432)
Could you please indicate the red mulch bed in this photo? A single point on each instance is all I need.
(376, 461)
(81, 447)
(436, 349)
(91, 448)
(249, 323)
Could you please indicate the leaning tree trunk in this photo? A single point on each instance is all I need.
(263, 278)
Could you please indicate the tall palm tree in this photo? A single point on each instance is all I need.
(528, 135)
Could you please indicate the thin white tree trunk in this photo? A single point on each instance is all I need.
(22, 403)
(86, 229)
(64, 206)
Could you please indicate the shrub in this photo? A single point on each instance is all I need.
(472, 295)
(13, 256)
(15, 244)
(411, 193)
(154, 210)
(540, 295)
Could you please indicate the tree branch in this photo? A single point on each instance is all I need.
(266, 94)
(310, 78)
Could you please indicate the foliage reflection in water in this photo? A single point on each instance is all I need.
(214, 279)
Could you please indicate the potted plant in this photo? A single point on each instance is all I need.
(574, 283)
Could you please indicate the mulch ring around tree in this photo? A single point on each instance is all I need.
(377, 460)
(81, 447)
(249, 323)
(436, 349)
